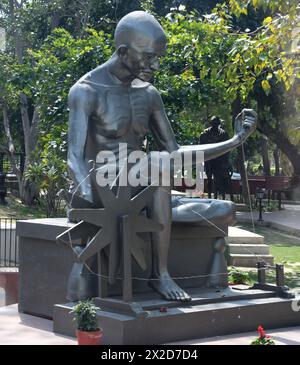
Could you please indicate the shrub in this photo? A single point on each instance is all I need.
(237, 276)
(85, 316)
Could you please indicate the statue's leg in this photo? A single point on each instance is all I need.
(218, 274)
(83, 279)
(209, 178)
(82, 283)
(160, 211)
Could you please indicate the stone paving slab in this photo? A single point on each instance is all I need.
(22, 329)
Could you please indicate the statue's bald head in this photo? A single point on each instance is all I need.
(140, 30)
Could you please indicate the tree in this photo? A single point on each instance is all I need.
(214, 65)
(232, 66)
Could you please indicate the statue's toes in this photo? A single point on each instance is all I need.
(169, 296)
(182, 296)
(173, 295)
(185, 297)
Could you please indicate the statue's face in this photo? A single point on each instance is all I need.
(142, 60)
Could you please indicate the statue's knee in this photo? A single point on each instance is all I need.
(231, 212)
(219, 245)
(226, 211)
(231, 207)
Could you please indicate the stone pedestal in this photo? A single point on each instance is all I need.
(45, 264)
(211, 313)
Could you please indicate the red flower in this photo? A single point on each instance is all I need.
(262, 333)
(263, 339)
(163, 309)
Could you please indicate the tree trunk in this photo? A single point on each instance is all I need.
(10, 151)
(236, 108)
(265, 155)
(28, 189)
(276, 161)
(55, 19)
(278, 137)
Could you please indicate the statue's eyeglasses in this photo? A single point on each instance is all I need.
(148, 56)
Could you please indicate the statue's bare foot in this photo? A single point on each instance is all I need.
(169, 289)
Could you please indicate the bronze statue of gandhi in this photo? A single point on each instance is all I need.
(116, 103)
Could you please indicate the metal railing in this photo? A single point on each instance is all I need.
(9, 253)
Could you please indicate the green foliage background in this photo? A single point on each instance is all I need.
(217, 52)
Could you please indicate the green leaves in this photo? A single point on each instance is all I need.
(266, 86)
(208, 63)
(85, 315)
(267, 20)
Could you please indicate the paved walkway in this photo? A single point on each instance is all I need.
(287, 220)
(281, 336)
(23, 329)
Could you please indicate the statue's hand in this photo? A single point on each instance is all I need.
(245, 123)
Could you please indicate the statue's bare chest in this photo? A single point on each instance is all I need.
(120, 111)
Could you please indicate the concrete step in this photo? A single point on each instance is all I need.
(238, 235)
(260, 249)
(248, 260)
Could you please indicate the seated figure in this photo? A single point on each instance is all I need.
(116, 104)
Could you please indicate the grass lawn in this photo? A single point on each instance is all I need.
(15, 209)
(285, 249)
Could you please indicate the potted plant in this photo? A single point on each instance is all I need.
(85, 316)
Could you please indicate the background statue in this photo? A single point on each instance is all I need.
(115, 103)
(220, 167)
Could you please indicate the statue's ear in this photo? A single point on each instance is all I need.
(122, 51)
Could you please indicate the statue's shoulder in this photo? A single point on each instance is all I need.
(80, 89)
(152, 89)
(81, 95)
(155, 98)
(90, 84)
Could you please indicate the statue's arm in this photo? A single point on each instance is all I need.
(160, 125)
(80, 105)
(164, 136)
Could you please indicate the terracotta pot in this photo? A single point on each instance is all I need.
(89, 338)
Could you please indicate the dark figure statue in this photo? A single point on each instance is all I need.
(115, 103)
(218, 168)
